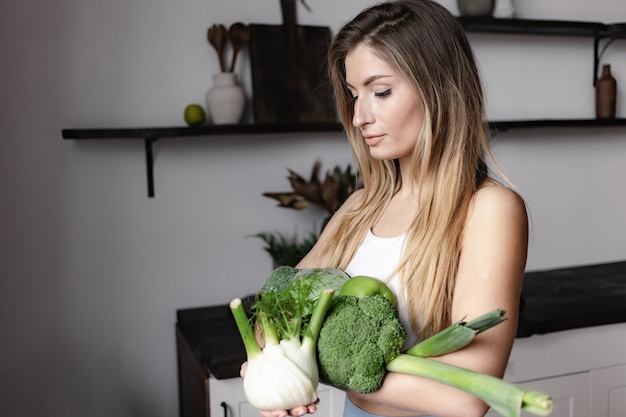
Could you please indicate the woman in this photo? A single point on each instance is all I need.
(449, 239)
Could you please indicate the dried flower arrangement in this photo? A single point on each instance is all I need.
(329, 194)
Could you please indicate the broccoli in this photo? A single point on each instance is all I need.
(361, 340)
(280, 278)
(355, 356)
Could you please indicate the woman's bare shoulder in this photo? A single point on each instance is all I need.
(352, 199)
(493, 198)
(496, 218)
(347, 206)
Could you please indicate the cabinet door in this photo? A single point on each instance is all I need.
(227, 396)
(609, 392)
(571, 395)
(548, 355)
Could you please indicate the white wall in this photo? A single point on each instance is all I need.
(92, 271)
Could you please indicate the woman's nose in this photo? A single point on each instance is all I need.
(362, 114)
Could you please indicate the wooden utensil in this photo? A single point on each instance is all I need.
(218, 35)
(239, 37)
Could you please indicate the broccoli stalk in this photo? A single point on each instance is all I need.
(361, 340)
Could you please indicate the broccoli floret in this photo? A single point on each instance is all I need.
(280, 278)
(359, 337)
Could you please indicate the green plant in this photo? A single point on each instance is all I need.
(285, 250)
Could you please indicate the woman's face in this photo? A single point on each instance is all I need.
(387, 110)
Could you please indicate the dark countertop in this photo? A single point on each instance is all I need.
(571, 298)
(552, 300)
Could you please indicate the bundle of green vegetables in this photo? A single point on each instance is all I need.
(320, 322)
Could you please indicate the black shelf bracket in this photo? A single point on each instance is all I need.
(597, 55)
(596, 58)
(149, 147)
(610, 33)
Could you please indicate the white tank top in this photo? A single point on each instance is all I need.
(378, 257)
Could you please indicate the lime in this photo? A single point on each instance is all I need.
(194, 115)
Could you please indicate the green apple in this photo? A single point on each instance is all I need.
(194, 115)
(363, 286)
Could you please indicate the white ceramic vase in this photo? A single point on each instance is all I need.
(226, 100)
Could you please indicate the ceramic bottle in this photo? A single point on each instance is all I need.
(606, 93)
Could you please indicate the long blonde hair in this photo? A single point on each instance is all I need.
(425, 44)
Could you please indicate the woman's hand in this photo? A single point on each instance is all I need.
(295, 412)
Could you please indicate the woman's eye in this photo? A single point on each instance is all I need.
(353, 98)
(383, 93)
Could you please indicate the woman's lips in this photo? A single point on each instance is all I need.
(372, 140)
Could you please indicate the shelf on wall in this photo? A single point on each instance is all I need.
(205, 130)
(541, 27)
(503, 126)
(150, 134)
(154, 133)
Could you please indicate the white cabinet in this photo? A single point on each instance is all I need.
(570, 394)
(609, 392)
(584, 370)
(228, 393)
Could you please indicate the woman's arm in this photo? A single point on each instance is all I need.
(490, 274)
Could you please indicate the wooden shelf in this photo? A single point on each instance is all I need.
(205, 130)
(503, 126)
(154, 133)
(532, 27)
(543, 27)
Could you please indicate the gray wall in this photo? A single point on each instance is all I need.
(92, 271)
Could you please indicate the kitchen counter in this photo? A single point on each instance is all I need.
(552, 300)
(572, 298)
